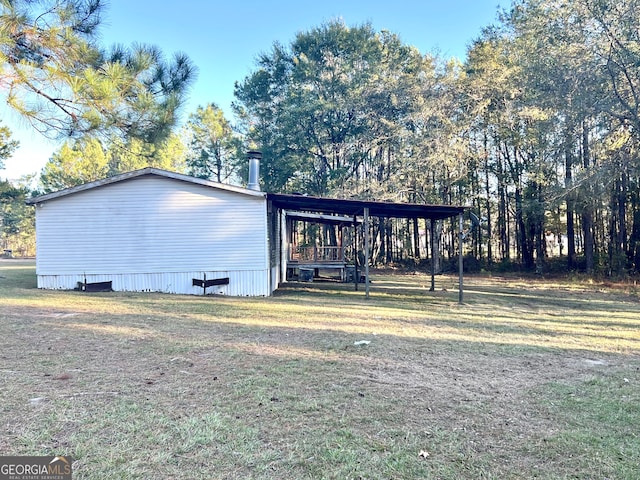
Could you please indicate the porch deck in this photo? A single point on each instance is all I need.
(316, 258)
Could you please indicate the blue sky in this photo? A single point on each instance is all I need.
(224, 38)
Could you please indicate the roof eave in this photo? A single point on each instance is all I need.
(140, 173)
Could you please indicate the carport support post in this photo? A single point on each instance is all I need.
(433, 255)
(460, 269)
(355, 251)
(366, 252)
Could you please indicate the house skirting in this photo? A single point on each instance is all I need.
(252, 283)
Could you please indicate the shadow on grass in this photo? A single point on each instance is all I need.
(535, 317)
(167, 393)
(141, 385)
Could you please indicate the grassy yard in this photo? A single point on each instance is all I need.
(527, 379)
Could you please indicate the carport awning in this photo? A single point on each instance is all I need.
(357, 207)
(366, 208)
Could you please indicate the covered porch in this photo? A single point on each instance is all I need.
(318, 242)
(290, 257)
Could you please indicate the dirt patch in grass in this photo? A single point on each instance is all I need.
(524, 380)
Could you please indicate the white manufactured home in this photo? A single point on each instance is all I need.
(158, 231)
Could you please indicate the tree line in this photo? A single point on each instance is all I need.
(536, 130)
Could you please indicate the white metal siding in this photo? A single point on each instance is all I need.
(241, 283)
(154, 234)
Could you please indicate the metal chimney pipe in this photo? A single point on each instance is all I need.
(254, 170)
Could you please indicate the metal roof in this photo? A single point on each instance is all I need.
(141, 173)
(300, 203)
(356, 207)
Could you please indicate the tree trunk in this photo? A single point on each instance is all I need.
(388, 234)
(416, 239)
(617, 227)
(568, 183)
(587, 213)
(633, 253)
(538, 231)
(382, 253)
(523, 243)
(505, 248)
(487, 205)
(622, 212)
(436, 241)
(587, 231)
(613, 223)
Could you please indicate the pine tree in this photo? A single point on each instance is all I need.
(64, 83)
(7, 146)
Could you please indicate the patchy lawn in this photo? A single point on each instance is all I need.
(529, 378)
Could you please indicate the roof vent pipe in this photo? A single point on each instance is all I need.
(254, 170)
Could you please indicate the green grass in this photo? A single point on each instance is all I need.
(600, 416)
(528, 379)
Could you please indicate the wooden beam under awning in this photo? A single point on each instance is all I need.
(317, 217)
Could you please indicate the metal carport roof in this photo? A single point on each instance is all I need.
(365, 208)
(357, 207)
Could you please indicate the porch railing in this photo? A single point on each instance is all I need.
(316, 254)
